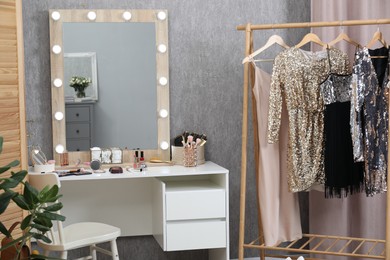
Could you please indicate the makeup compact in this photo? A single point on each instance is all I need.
(116, 169)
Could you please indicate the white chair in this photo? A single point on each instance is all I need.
(76, 235)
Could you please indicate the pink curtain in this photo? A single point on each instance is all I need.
(357, 215)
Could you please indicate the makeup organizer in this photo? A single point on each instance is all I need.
(312, 242)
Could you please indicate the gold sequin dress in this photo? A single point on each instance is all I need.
(296, 77)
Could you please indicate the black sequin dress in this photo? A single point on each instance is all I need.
(342, 175)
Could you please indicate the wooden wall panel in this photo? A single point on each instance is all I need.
(12, 107)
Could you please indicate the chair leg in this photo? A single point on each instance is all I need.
(114, 250)
(64, 255)
(92, 250)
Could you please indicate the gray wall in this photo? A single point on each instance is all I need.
(206, 79)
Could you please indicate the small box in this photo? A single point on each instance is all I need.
(178, 155)
(116, 156)
(43, 168)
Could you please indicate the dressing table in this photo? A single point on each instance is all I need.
(184, 208)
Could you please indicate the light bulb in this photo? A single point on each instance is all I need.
(59, 116)
(162, 48)
(60, 148)
(91, 16)
(161, 15)
(55, 16)
(126, 15)
(163, 113)
(57, 49)
(57, 83)
(164, 145)
(163, 81)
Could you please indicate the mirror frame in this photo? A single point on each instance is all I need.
(57, 72)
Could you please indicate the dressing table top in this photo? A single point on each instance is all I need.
(155, 171)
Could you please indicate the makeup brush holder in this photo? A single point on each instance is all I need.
(190, 156)
(178, 155)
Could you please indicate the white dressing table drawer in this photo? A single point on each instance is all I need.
(195, 200)
(188, 235)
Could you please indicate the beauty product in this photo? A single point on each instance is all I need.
(142, 164)
(136, 160)
(106, 156)
(96, 153)
(64, 159)
(116, 155)
(116, 169)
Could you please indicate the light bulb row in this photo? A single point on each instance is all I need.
(162, 48)
(91, 15)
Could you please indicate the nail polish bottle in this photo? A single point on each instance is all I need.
(142, 164)
(135, 163)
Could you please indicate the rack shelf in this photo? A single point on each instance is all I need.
(328, 245)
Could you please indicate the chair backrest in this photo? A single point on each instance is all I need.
(40, 181)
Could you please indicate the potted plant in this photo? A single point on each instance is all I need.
(39, 218)
(79, 84)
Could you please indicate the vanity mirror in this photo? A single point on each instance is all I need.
(129, 104)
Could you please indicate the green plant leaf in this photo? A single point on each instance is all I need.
(43, 192)
(1, 143)
(54, 207)
(19, 176)
(21, 202)
(4, 230)
(30, 194)
(40, 237)
(8, 166)
(43, 221)
(26, 221)
(41, 228)
(51, 216)
(8, 184)
(4, 169)
(5, 198)
(49, 196)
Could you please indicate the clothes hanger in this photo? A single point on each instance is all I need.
(343, 37)
(310, 37)
(377, 37)
(271, 41)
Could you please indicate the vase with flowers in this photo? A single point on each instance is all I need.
(79, 84)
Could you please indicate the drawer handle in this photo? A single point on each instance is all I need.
(77, 114)
(78, 149)
(77, 131)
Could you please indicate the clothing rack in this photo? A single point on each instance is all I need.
(314, 241)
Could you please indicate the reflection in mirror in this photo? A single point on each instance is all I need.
(80, 65)
(125, 54)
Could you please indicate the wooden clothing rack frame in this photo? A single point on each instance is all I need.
(350, 246)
